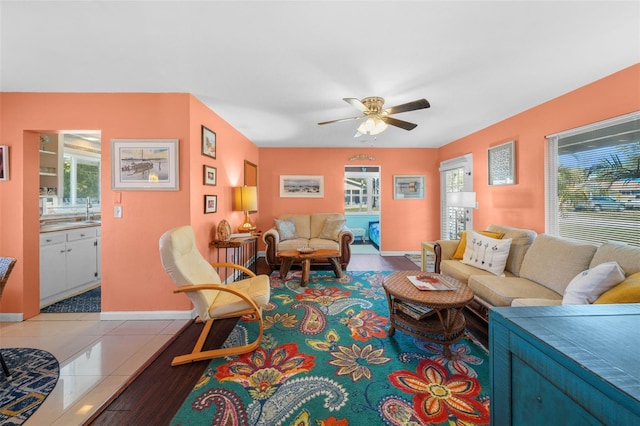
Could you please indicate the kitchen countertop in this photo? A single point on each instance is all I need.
(66, 225)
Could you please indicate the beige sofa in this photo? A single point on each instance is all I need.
(538, 270)
(316, 230)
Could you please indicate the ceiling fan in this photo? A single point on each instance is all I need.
(377, 119)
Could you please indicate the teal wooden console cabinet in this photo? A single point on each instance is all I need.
(565, 365)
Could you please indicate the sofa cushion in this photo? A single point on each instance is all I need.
(501, 291)
(489, 254)
(293, 244)
(628, 291)
(324, 244)
(588, 285)
(462, 245)
(555, 261)
(521, 239)
(627, 256)
(461, 271)
(331, 229)
(317, 220)
(286, 228)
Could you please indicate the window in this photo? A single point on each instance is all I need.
(593, 181)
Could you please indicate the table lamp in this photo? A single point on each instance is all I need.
(245, 198)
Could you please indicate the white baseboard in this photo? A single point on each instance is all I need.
(146, 315)
(8, 317)
(397, 253)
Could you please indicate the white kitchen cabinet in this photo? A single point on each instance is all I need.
(69, 263)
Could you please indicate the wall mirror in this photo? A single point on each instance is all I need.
(250, 176)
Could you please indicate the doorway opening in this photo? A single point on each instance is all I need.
(70, 222)
(362, 207)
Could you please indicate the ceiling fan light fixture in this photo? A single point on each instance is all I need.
(373, 125)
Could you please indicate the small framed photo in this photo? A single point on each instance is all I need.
(4, 162)
(144, 164)
(502, 164)
(210, 175)
(408, 187)
(210, 203)
(208, 143)
(302, 186)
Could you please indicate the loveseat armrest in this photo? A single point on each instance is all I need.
(345, 238)
(444, 250)
(271, 238)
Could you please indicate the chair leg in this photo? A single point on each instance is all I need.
(4, 367)
(199, 355)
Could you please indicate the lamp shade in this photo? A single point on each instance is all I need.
(245, 198)
(461, 199)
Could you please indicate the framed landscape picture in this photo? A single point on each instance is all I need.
(302, 186)
(144, 164)
(208, 143)
(407, 187)
(210, 175)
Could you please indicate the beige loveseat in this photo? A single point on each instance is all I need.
(316, 230)
(538, 270)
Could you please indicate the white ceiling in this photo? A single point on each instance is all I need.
(273, 70)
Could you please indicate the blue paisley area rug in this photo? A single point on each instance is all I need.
(34, 374)
(326, 359)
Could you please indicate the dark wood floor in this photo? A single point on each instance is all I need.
(155, 395)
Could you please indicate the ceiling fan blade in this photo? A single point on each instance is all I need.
(339, 120)
(399, 123)
(410, 106)
(356, 103)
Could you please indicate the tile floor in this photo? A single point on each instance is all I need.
(96, 358)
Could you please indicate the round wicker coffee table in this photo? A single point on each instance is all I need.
(444, 324)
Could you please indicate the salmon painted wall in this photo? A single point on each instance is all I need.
(131, 269)
(523, 205)
(403, 223)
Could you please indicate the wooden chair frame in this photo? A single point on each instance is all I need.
(254, 311)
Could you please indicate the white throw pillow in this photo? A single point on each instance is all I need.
(588, 285)
(486, 253)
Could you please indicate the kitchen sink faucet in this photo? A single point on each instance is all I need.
(89, 214)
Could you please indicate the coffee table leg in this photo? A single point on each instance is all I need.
(306, 266)
(392, 329)
(337, 269)
(285, 266)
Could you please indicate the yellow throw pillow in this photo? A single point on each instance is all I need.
(463, 242)
(628, 291)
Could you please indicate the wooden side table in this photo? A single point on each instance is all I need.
(447, 323)
(428, 256)
(290, 256)
(243, 251)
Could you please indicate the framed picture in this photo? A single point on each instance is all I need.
(208, 143)
(210, 203)
(144, 164)
(502, 164)
(408, 187)
(302, 186)
(4, 162)
(210, 175)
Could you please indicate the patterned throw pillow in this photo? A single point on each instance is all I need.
(489, 254)
(588, 285)
(286, 228)
(462, 245)
(331, 229)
